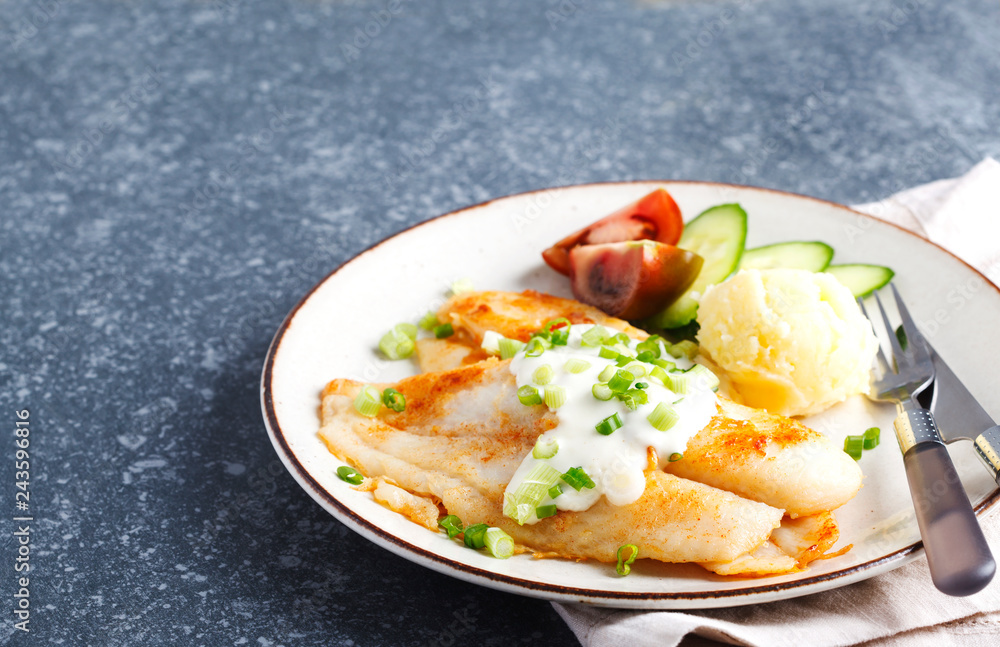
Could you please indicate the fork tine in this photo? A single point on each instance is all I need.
(880, 356)
(916, 343)
(899, 357)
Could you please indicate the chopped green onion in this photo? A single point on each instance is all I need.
(646, 356)
(509, 347)
(555, 396)
(673, 458)
(704, 378)
(608, 426)
(659, 374)
(408, 329)
(556, 331)
(528, 395)
(545, 448)
(536, 346)
(853, 445)
(607, 352)
(624, 350)
(577, 478)
(664, 364)
(649, 345)
(491, 342)
(556, 324)
(555, 491)
(685, 348)
(623, 567)
(543, 375)
(462, 285)
(498, 543)
(623, 360)
(602, 392)
(368, 401)
(350, 475)
(621, 380)
(475, 535)
(677, 382)
(633, 398)
(394, 400)
(638, 369)
(642, 385)
(544, 511)
(429, 321)
(595, 336)
(622, 338)
(452, 525)
(397, 343)
(872, 437)
(575, 365)
(608, 373)
(663, 417)
(444, 330)
(520, 504)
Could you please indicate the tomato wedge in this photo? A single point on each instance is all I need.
(653, 217)
(634, 279)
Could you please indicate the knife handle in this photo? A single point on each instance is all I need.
(988, 450)
(958, 556)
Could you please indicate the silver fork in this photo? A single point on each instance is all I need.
(958, 556)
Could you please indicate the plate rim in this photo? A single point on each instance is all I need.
(493, 579)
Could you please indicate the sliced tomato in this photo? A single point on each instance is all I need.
(653, 217)
(631, 280)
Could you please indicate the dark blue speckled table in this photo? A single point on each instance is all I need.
(175, 175)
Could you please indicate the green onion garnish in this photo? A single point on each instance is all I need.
(677, 382)
(397, 343)
(623, 360)
(528, 395)
(577, 478)
(642, 385)
(462, 285)
(638, 369)
(622, 338)
(350, 475)
(444, 330)
(475, 536)
(429, 321)
(602, 392)
(452, 525)
(595, 336)
(575, 365)
(853, 445)
(536, 346)
(673, 458)
(685, 348)
(543, 375)
(608, 373)
(621, 380)
(649, 345)
(556, 324)
(872, 437)
(520, 504)
(633, 398)
(607, 352)
(509, 347)
(491, 342)
(368, 401)
(498, 543)
(646, 356)
(664, 364)
(663, 417)
(624, 350)
(394, 399)
(555, 491)
(608, 426)
(703, 377)
(555, 396)
(544, 511)
(623, 567)
(659, 374)
(559, 337)
(545, 448)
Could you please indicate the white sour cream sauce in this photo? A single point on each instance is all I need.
(616, 462)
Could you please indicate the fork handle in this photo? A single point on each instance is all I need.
(958, 556)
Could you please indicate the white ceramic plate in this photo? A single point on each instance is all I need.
(334, 330)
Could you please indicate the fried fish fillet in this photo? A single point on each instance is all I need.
(462, 446)
(760, 456)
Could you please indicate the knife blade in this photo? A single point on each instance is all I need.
(960, 416)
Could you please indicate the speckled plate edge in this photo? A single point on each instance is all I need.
(625, 599)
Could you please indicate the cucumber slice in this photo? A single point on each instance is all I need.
(718, 235)
(813, 256)
(861, 279)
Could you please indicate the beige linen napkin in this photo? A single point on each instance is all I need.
(901, 607)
